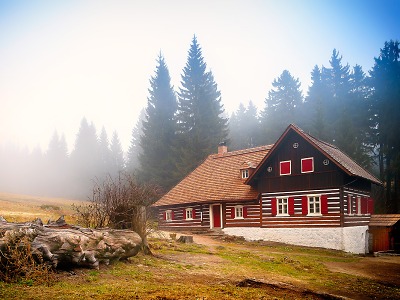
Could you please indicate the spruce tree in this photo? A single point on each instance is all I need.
(385, 84)
(104, 154)
(237, 132)
(281, 106)
(117, 156)
(244, 127)
(316, 106)
(135, 150)
(201, 125)
(85, 160)
(157, 161)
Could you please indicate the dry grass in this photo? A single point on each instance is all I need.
(23, 208)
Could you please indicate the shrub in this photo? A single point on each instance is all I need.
(18, 264)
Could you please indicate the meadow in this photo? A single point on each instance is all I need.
(213, 267)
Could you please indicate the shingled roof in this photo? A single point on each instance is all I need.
(341, 159)
(384, 220)
(220, 174)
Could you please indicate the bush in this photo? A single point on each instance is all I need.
(19, 265)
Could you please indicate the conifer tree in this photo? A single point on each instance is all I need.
(84, 159)
(281, 106)
(237, 133)
(104, 154)
(244, 127)
(385, 83)
(135, 150)
(117, 156)
(157, 161)
(315, 105)
(337, 80)
(201, 125)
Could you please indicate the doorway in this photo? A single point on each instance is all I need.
(216, 216)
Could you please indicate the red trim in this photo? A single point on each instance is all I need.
(349, 204)
(244, 212)
(233, 212)
(193, 213)
(184, 213)
(273, 206)
(172, 214)
(370, 206)
(324, 204)
(304, 205)
(285, 167)
(307, 165)
(291, 206)
(165, 215)
(364, 205)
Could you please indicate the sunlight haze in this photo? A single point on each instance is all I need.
(61, 61)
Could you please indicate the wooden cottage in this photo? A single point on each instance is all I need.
(300, 191)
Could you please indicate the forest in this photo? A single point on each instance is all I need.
(356, 110)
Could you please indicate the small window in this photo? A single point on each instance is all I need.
(286, 167)
(189, 213)
(307, 165)
(282, 206)
(238, 212)
(245, 173)
(314, 205)
(168, 215)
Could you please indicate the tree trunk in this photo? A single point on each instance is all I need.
(67, 246)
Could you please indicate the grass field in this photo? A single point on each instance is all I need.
(211, 268)
(23, 208)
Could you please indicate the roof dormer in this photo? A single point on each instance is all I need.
(246, 169)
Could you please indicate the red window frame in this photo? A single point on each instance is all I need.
(285, 167)
(307, 165)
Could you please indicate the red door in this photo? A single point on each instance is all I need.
(216, 210)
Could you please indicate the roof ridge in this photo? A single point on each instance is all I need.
(315, 138)
(342, 152)
(242, 151)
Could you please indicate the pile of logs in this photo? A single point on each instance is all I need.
(67, 246)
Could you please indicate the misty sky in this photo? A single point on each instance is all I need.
(63, 60)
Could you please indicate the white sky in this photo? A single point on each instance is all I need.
(63, 60)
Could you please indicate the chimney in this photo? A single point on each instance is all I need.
(222, 148)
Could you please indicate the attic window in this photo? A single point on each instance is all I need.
(245, 173)
(285, 167)
(295, 145)
(307, 165)
(326, 162)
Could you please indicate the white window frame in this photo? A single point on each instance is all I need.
(280, 168)
(168, 215)
(189, 214)
(245, 173)
(282, 207)
(239, 212)
(301, 166)
(311, 201)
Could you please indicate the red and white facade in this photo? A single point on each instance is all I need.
(300, 191)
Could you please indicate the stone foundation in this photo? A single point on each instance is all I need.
(348, 239)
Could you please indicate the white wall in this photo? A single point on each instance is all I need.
(349, 239)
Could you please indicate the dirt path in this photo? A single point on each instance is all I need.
(383, 269)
